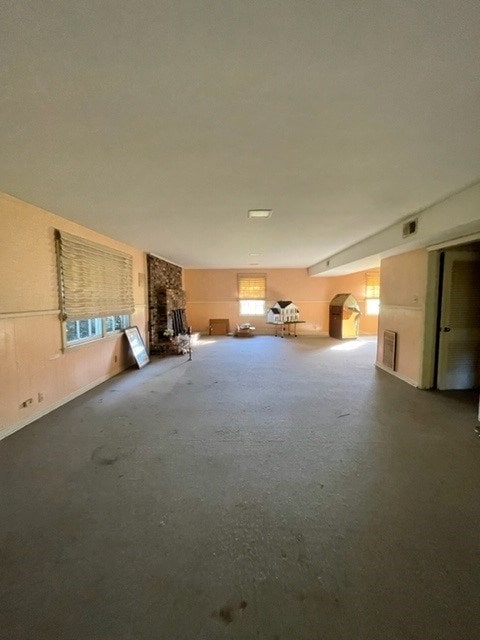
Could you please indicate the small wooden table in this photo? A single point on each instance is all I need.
(285, 328)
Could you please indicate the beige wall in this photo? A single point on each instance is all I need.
(212, 293)
(402, 309)
(31, 354)
(35, 366)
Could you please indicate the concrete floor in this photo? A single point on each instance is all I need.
(272, 489)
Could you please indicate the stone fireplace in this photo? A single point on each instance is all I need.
(165, 295)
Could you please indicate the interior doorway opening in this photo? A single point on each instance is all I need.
(457, 319)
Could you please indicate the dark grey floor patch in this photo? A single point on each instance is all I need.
(102, 456)
(390, 539)
(105, 455)
(225, 614)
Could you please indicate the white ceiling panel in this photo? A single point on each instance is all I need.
(162, 123)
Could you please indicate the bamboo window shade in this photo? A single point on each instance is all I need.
(95, 281)
(252, 287)
(372, 284)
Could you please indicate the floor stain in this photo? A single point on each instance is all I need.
(104, 455)
(227, 613)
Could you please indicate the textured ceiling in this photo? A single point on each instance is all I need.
(162, 123)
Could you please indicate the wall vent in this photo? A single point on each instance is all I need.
(389, 349)
(410, 227)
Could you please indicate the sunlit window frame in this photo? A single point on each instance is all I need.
(372, 293)
(252, 288)
(101, 326)
(260, 311)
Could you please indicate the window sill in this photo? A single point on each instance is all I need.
(72, 346)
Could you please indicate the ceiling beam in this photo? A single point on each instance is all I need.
(456, 215)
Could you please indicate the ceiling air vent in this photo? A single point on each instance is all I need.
(410, 227)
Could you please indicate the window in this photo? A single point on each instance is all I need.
(96, 288)
(372, 293)
(372, 306)
(251, 294)
(116, 323)
(252, 307)
(83, 330)
(78, 331)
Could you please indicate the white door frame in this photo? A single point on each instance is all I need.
(428, 370)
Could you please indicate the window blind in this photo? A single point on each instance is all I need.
(372, 284)
(95, 281)
(252, 286)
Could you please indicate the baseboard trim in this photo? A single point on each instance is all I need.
(397, 375)
(8, 430)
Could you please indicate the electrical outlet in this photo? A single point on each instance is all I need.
(25, 403)
(40, 396)
(115, 358)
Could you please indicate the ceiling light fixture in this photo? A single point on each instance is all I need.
(256, 214)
